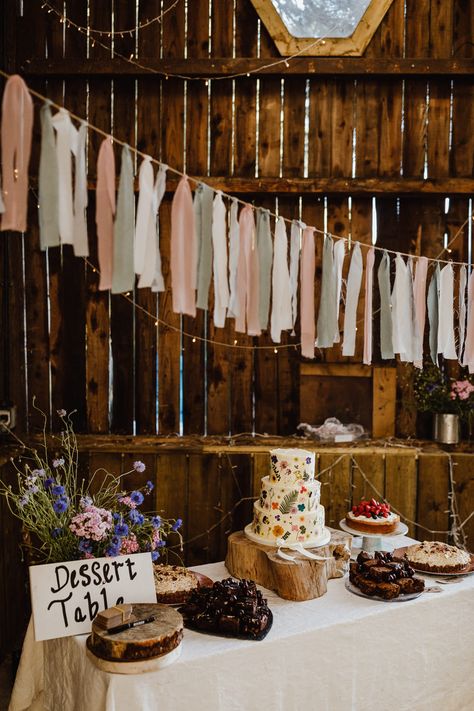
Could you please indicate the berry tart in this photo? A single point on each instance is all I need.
(372, 517)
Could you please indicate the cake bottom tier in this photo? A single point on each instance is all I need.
(292, 527)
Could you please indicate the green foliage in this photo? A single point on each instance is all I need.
(288, 501)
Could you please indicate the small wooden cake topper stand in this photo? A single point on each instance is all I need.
(298, 579)
(375, 541)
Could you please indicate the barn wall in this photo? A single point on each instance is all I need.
(66, 342)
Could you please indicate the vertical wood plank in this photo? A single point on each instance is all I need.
(368, 477)
(401, 487)
(171, 495)
(204, 510)
(433, 489)
(464, 489)
(335, 486)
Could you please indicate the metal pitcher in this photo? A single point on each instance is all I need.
(446, 428)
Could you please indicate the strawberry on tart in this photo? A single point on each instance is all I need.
(372, 517)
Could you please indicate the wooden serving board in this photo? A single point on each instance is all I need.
(303, 579)
(144, 642)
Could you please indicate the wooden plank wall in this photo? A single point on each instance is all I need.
(212, 486)
(75, 347)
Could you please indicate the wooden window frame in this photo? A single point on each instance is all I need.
(354, 45)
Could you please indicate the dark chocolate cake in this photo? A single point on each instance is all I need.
(231, 607)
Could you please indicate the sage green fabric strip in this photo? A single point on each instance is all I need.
(327, 323)
(433, 314)
(265, 258)
(383, 276)
(203, 200)
(123, 276)
(48, 188)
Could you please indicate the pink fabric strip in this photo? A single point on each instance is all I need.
(105, 211)
(183, 258)
(17, 126)
(369, 274)
(307, 267)
(419, 298)
(248, 276)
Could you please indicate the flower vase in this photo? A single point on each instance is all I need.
(446, 428)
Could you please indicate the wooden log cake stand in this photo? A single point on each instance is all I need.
(303, 579)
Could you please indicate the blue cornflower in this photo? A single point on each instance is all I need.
(116, 516)
(56, 532)
(155, 555)
(121, 529)
(58, 490)
(85, 545)
(137, 497)
(150, 486)
(58, 462)
(161, 544)
(156, 521)
(48, 483)
(139, 466)
(177, 524)
(112, 551)
(116, 541)
(136, 517)
(61, 505)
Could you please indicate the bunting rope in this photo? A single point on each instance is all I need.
(228, 196)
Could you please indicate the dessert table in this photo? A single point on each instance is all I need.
(334, 653)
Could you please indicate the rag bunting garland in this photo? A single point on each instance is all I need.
(263, 283)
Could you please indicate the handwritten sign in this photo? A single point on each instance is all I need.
(65, 597)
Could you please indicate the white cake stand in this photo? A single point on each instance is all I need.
(375, 541)
(324, 538)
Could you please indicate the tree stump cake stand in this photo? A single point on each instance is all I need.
(301, 579)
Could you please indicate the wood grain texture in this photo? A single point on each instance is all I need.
(401, 487)
(433, 489)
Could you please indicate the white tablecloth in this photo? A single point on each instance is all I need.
(339, 652)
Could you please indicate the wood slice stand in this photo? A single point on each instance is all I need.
(303, 579)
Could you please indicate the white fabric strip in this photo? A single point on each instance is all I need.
(219, 248)
(339, 254)
(369, 280)
(469, 342)
(281, 317)
(433, 309)
(462, 311)
(419, 302)
(151, 275)
(446, 341)
(402, 311)
(385, 291)
(144, 221)
(295, 247)
(66, 138)
(354, 281)
(234, 310)
(80, 239)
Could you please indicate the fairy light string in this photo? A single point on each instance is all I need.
(109, 33)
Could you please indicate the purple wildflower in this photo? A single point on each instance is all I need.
(60, 505)
(33, 489)
(177, 524)
(58, 462)
(155, 555)
(58, 490)
(121, 529)
(156, 521)
(150, 486)
(23, 501)
(38, 472)
(85, 501)
(136, 517)
(112, 551)
(85, 545)
(137, 497)
(48, 483)
(56, 532)
(139, 466)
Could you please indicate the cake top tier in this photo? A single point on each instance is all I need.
(291, 465)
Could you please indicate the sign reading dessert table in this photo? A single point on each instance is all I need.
(65, 597)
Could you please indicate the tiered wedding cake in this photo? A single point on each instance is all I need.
(288, 510)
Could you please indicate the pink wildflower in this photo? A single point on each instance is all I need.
(127, 501)
(92, 523)
(129, 545)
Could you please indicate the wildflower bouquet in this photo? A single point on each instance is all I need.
(68, 520)
(435, 392)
